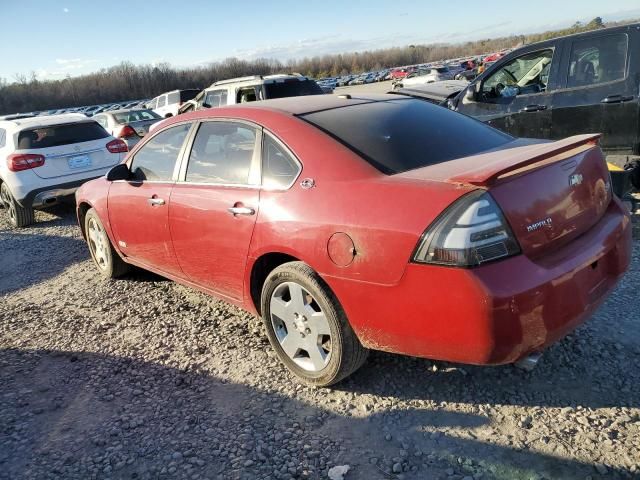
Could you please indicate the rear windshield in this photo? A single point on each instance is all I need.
(54, 135)
(292, 88)
(400, 135)
(186, 95)
(135, 116)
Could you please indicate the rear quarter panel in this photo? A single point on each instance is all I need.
(384, 215)
(95, 194)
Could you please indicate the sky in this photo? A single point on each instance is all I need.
(60, 38)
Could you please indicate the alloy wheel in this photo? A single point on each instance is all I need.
(98, 243)
(300, 326)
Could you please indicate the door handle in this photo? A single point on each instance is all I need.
(155, 201)
(533, 108)
(241, 211)
(617, 99)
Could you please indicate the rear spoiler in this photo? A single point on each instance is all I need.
(515, 161)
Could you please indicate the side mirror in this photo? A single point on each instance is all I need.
(206, 105)
(119, 172)
(470, 94)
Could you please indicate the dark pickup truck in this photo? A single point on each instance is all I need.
(588, 82)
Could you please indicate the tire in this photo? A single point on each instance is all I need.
(322, 347)
(19, 216)
(102, 252)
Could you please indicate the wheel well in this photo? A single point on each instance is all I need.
(83, 208)
(261, 270)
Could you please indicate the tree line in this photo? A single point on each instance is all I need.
(127, 81)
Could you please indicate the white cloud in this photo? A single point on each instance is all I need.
(65, 10)
(74, 63)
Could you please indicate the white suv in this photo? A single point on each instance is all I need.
(43, 159)
(250, 89)
(167, 104)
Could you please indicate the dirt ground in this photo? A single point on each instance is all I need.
(143, 378)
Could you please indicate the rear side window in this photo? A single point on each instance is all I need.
(279, 169)
(222, 153)
(292, 88)
(56, 135)
(597, 60)
(173, 97)
(156, 160)
(400, 135)
(135, 116)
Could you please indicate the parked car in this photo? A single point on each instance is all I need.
(401, 72)
(47, 158)
(580, 83)
(467, 75)
(168, 104)
(313, 213)
(128, 125)
(250, 89)
(423, 76)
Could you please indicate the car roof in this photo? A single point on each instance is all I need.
(300, 105)
(45, 120)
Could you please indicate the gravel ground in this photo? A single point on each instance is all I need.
(142, 378)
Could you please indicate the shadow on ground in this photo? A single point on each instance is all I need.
(83, 415)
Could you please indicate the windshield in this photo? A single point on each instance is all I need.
(55, 135)
(292, 88)
(135, 116)
(400, 135)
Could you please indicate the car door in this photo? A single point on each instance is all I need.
(516, 95)
(161, 108)
(597, 93)
(215, 204)
(139, 207)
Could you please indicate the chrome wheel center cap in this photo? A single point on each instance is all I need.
(300, 322)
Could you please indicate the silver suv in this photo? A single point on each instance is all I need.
(250, 89)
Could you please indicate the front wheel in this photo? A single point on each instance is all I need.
(102, 252)
(19, 216)
(307, 327)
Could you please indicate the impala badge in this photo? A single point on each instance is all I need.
(575, 179)
(538, 225)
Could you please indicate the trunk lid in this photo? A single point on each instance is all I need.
(550, 193)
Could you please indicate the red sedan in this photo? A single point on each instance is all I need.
(383, 223)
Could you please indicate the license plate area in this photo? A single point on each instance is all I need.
(79, 161)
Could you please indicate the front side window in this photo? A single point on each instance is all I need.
(597, 60)
(157, 158)
(215, 98)
(3, 136)
(279, 169)
(162, 101)
(524, 75)
(222, 153)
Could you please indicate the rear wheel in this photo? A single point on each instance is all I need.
(19, 216)
(307, 327)
(102, 252)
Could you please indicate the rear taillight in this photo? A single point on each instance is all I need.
(117, 146)
(24, 161)
(127, 132)
(470, 232)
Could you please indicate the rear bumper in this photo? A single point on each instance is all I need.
(496, 313)
(51, 194)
